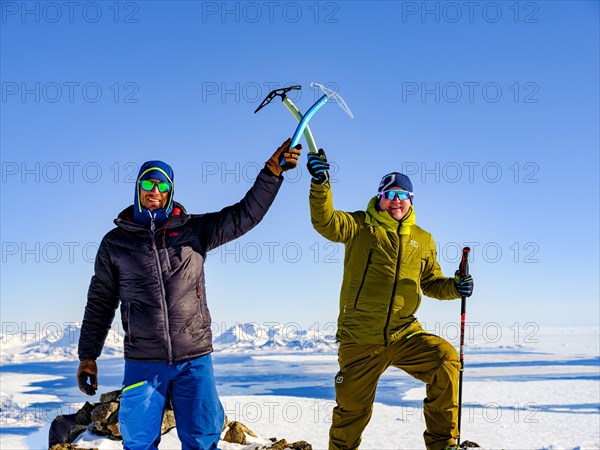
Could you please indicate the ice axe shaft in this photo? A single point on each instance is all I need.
(310, 140)
(306, 118)
(312, 146)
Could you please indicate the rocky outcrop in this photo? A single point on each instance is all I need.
(102, 418)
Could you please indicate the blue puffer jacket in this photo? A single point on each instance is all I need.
(158, 278)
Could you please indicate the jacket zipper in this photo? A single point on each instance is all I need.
(164, 294)
(164, 242)
(389, 314)
(129, 337)
(363, 278)
(166, 253)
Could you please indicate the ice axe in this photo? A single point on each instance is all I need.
(303, 120)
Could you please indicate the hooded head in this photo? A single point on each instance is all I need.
(155, 170)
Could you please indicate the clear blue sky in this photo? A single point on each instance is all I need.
(492, 109)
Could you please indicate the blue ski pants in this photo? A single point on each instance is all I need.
(191, 384)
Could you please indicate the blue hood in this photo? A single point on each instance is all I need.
(157, 170)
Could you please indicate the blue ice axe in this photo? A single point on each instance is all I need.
(328, 94)
(303, 127)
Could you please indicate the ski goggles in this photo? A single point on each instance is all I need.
(393, 193)
(148, 185)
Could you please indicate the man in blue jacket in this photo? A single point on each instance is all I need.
(152, 263)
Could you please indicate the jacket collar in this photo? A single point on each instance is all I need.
(378, 218)
(177, 217)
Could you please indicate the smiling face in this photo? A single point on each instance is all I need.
(396, 208)
(153, 200)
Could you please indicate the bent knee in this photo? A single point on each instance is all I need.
(445, 352)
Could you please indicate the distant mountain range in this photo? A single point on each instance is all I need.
(50, 343)
(252, 337)
(60, 344)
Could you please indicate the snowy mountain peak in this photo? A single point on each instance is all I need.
(252, 337)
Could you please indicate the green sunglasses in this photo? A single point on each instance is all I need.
(402, 195)
(148, 185)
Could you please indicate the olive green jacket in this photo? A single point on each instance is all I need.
(386, 265)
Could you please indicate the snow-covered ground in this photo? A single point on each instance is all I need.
(524, 388)
(505, 424)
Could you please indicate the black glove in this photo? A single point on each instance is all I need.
(463, 285)
(318, 167)
(87, 369)
(284, 158)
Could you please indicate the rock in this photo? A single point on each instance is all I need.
(75, 431)
(101, 415)
(68, 447)
(279, 445)
(113, 425)
(84, 415)
(300, 445)
(236, 433)
(469, 444)
(168, 422)
(283, 444)
(60, 428)
(113, 396)
(66, 428)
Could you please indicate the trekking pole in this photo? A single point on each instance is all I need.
(463, 269)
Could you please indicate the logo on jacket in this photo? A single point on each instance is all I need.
(174, 233)
(339, 379)
(414, 243)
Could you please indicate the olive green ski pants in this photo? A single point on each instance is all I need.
(424, 356)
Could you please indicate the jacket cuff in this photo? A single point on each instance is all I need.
(267, 171)
(320, 189)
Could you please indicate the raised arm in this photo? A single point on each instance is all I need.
(215, 229)
(337, 226)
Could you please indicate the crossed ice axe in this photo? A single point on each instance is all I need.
(303, 120)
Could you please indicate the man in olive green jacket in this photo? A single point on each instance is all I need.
(388, 261)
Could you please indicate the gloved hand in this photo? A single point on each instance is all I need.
(284, 158)
(87, 369)
(464, 285)
(318, 167)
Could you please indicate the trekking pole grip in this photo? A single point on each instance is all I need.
(463, 268)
